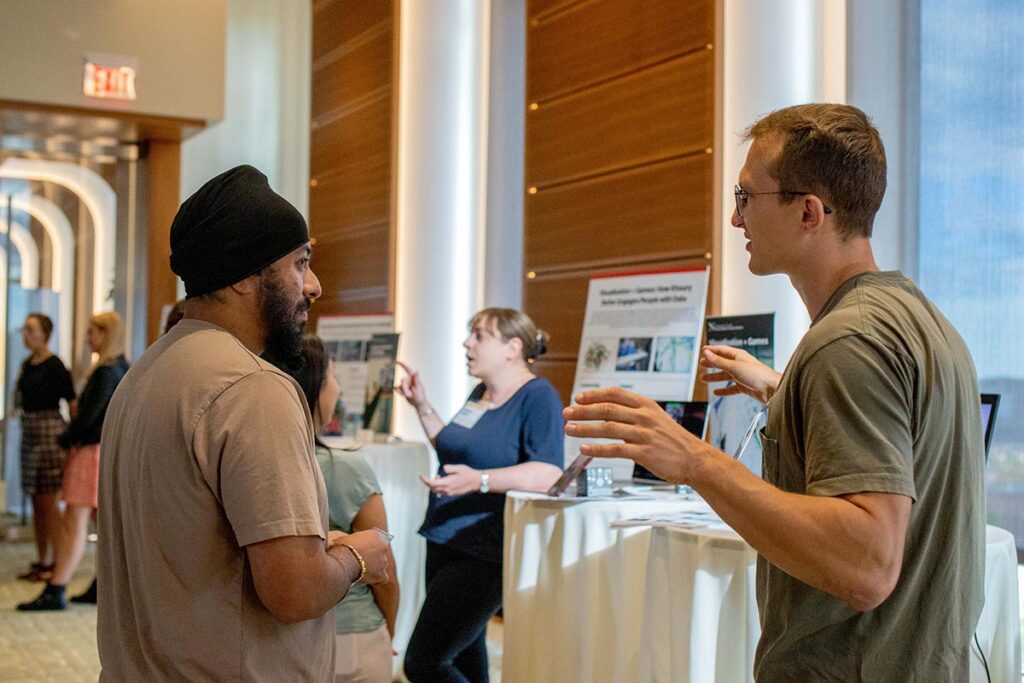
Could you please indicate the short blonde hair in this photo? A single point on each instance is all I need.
(513, 324)
(113, 327)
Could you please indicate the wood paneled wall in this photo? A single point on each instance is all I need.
(352, 154)
(620, 159)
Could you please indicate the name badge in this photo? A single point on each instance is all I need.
(470, 414)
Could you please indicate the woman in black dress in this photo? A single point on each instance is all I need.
(43, 382)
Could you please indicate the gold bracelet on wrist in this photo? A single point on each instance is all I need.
(359, 558)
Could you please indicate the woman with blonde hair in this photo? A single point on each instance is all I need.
(105, 336)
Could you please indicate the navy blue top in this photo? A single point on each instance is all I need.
(526, 428)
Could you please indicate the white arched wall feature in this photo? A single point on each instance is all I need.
(98, 198)
(776, 53)
(58, 229)
(28, 253)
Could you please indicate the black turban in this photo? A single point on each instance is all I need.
(232, 227)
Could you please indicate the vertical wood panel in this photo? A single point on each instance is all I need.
(164, 190)
(573, 46)
(620, 156)
(352, 155)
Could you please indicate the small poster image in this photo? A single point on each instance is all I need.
(673, 354)
(599, 355)
(729, 417)
(634, 354)
(348, 350)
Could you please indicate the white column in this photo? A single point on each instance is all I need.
(442, 161)
(777, 53)
(503, 272)
(266, 101)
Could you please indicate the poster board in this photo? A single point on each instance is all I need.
(641, 332)
(729, 417)
(347, 338)
(381, 357)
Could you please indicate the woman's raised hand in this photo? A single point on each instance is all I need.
(411, 387)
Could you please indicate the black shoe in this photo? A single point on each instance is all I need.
(88, 597)
(50, 600)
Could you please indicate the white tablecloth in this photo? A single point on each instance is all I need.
(999, 625)
(573, 588)
(585, 602)
(700, 619)
(398, 466)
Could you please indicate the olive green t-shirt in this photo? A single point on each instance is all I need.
(881, 395)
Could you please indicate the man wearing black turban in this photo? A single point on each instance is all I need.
(216, 561)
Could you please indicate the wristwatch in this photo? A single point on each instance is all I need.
(485, 482)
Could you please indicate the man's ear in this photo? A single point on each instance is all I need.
(813, 218)
(247, 287)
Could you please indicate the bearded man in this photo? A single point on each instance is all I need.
(216, 562)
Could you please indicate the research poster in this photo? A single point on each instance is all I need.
(642, 332)
(347, 338)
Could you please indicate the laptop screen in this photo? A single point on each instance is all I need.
(989, 407)
(691, 415)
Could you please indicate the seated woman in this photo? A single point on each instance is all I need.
(366, 617)
(507, 436)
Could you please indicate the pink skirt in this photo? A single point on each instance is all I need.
(82, 476)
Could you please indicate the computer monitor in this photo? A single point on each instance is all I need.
(691, 415)
(989, 407)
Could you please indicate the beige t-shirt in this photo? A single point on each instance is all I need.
(881, 395)
(206, 449)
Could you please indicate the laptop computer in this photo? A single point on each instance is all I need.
(692, 416)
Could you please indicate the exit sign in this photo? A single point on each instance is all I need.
(109, 78)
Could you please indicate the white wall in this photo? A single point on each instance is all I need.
(266, 102)
(882, 79)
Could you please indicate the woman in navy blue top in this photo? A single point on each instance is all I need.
(507, 436)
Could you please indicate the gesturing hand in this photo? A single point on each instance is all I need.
(651, 437)
(458, 479)
(751, 376)
(411, 387)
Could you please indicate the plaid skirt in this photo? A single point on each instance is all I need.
(42, 460)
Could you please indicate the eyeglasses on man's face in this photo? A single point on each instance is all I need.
(743, 196)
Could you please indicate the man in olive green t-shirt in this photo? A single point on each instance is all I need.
(869, 524)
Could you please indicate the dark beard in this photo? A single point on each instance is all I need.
(284, 334)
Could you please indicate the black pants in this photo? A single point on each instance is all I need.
(449, 642)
